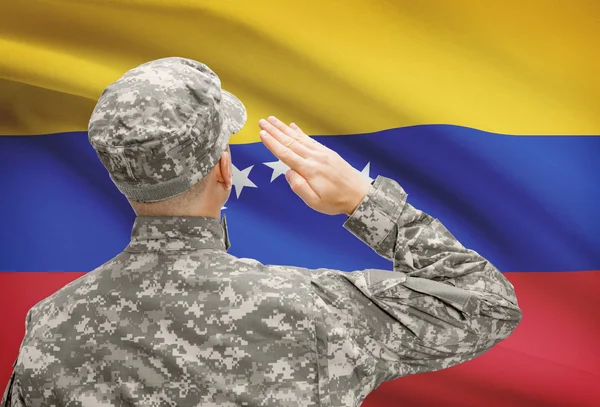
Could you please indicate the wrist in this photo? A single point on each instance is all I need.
(359, 196)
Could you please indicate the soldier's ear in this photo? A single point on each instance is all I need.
(225, 174)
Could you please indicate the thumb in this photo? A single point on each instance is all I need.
(301, 187)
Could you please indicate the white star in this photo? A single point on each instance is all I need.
(279, 168)
(365, 172)
(241, 180)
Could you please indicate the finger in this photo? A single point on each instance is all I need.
(297, 128)
(286, 155)
(290, 142)
(285, 129)
(312, 143)
(302, 188)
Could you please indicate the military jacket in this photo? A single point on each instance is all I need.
(174, 320)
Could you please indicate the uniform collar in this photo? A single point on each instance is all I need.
(178, 233)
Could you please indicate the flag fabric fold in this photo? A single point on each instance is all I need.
(486, 114)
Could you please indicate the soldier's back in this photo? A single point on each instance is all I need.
(178, 327)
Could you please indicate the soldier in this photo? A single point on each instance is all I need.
(174, 320)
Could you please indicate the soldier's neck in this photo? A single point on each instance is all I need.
(198, 210)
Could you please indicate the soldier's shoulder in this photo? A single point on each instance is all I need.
(83, 286)
(243, 263)
(252, 270)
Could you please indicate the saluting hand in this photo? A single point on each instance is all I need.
(318, 175)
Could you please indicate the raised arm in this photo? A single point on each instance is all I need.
(443, 304)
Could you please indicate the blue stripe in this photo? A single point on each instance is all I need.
(526, 203)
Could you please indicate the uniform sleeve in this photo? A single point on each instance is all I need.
(442, 305)
(13, 395)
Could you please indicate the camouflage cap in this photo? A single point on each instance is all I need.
(163, 126)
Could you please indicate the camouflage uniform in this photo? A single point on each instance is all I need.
(174, 320)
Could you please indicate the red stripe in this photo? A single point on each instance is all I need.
(552, 359)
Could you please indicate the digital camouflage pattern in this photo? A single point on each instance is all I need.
(174, 320)
(163, 126)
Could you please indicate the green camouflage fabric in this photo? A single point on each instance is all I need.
(174, 320)
(163, 126)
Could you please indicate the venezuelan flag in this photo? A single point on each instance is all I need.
(486, 112)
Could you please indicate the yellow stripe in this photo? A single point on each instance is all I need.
(335, 67)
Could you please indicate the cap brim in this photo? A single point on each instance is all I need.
(234, 112)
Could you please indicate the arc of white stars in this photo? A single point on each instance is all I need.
(241, 177)
(279, 168)
(241, 180)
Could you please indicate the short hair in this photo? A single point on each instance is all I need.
(172, 206)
